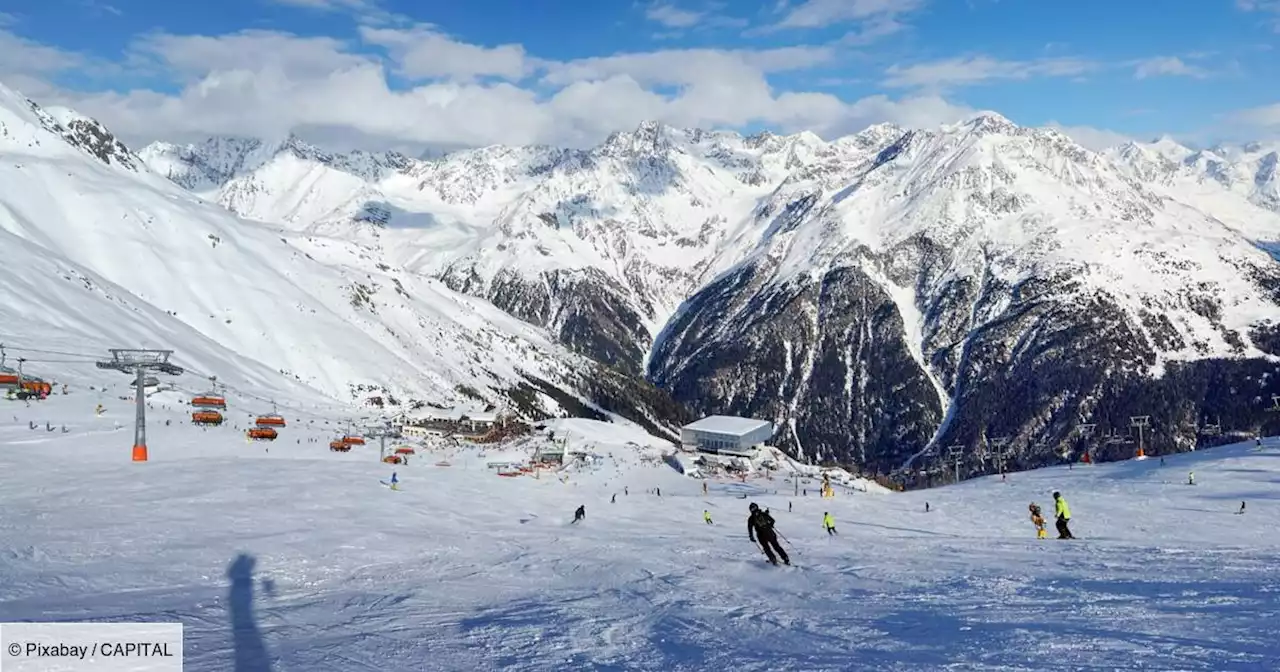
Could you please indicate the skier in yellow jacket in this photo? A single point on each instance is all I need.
(706, 515)
(1063, 513)
(829, 523)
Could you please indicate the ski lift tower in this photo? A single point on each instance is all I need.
(139, 362)
(954, 453)
(381, 433)
(1140, 422)
(1001, 444)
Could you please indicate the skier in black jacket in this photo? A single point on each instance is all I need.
(760, 526)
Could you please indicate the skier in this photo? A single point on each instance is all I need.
(1241, 511)
(926, 507)
(580, 513)
(706, 515)
(395, 481)
(760, 526)
(788, 507)
(614, 499)
(829, 523)
(1063, 514)
(704, 487)
(1191, 478)
(1037, 519)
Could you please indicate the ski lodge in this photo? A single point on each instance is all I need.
(726, 435)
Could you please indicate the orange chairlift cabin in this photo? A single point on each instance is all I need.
(209, 405)
(272, 420)
(339, 446)
(262, 434)
(350, 439)
(15, 379)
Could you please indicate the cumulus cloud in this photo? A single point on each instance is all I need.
(424, 52)
(266, 83)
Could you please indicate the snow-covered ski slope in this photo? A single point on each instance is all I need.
(99, 253)
(298, 559)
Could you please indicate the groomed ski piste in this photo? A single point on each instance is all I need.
(286, 556)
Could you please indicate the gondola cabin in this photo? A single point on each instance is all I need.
(209, 401)
(353, 440)
(339, 447)
(262, 434)
(8, 378)
(270, 421)
(206, 418)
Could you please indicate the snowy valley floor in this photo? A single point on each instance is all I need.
(298, 559)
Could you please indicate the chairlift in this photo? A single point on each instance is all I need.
(8, 374)
(339, 446)
(210, 399)
(274, 419)
(203, 418)
(262, 434)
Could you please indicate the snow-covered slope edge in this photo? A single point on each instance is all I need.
(323, 313)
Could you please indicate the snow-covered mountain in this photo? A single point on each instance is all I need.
(101, 252)
(1248, 170)
(874, 295)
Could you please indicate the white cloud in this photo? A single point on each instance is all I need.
(824, 13)
(672, 16)
(265, 83)
(1266, 117)
(328, 5)
(1089, 137)
(1263, 6)
(971, 70)
(677, 20)
(1167, 66)
(21, 56)
(423, 52)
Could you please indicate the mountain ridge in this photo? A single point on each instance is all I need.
(876, 296)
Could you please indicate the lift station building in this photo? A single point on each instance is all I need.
(726, 435)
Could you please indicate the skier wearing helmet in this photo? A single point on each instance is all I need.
(1063, 514)
(760, 527)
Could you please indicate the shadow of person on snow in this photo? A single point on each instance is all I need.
(250, 650)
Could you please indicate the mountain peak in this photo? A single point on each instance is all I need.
(650, 138)
(990, 122)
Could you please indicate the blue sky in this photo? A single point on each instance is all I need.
(560, 71)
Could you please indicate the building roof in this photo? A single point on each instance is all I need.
(727, 424)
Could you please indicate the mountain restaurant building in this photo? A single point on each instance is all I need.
(726, 435)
